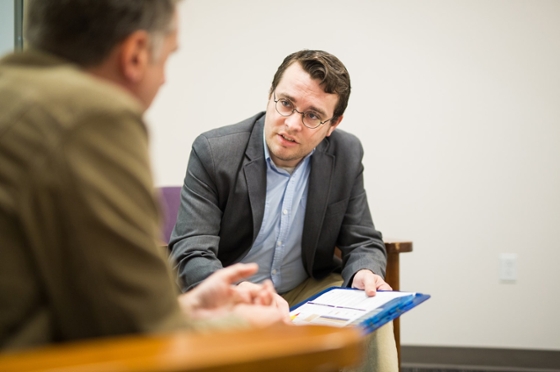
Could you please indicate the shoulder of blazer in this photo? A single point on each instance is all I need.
(244, 126)
(223, 140)
(341, 143)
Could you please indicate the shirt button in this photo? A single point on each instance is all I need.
(279, 243)
(274, 272)
(285, 211)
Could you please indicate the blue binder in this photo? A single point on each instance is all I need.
(377, 317)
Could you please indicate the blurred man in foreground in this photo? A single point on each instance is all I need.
(78, 215)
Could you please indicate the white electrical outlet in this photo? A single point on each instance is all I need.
(508, 267)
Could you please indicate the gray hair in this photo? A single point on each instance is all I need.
(85, 31)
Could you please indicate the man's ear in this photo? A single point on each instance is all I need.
(135, 56)
(334, 125)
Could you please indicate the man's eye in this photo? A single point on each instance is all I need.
(312, 116)
(286, 104)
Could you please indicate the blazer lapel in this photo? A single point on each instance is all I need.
(255, 175)
(320, 181)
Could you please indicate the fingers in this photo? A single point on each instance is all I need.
(267, 285)
(277, 300)
(384, 286)
(370, 285)
(218, 289)
(266, 293)
(369, 282)
(235, 273)
(363, 280)
(260, 316)
(245, 292)
(267, 296)
(283, 307)
(259, 294)
(187, 302)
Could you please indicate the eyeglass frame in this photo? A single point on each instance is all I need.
(294, 110)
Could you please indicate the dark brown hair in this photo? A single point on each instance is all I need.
(322, 66)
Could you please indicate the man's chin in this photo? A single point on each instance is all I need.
(285, 160)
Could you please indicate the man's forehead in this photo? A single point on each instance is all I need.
(317, 100)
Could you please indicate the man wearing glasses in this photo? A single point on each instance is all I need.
(284, 189)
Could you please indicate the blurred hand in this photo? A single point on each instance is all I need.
(369, 282)
(262, 316)
(218, 296)
(264, 294)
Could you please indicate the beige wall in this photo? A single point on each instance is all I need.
(458, 106)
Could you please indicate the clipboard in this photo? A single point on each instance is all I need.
(342, 307)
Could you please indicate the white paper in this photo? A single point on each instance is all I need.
(341, 307)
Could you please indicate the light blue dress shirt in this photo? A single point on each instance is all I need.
(277, 248)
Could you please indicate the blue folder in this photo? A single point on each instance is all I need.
(381, 315)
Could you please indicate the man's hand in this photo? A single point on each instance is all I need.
(369, 282)
(218, 296)
(264, 294)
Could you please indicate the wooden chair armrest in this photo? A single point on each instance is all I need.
(396, 246)
(394, 249)
(276, 348)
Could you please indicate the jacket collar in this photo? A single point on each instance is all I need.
(320, 181)
(254, 147)
(254, 168)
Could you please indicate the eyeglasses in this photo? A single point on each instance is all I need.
(310, 119)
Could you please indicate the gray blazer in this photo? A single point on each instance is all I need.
(223, 199)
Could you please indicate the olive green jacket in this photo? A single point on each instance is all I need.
(78, 215)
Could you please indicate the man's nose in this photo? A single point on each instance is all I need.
(293, 122)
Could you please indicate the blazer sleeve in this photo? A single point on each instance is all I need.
(361, 244)
(195, 238)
